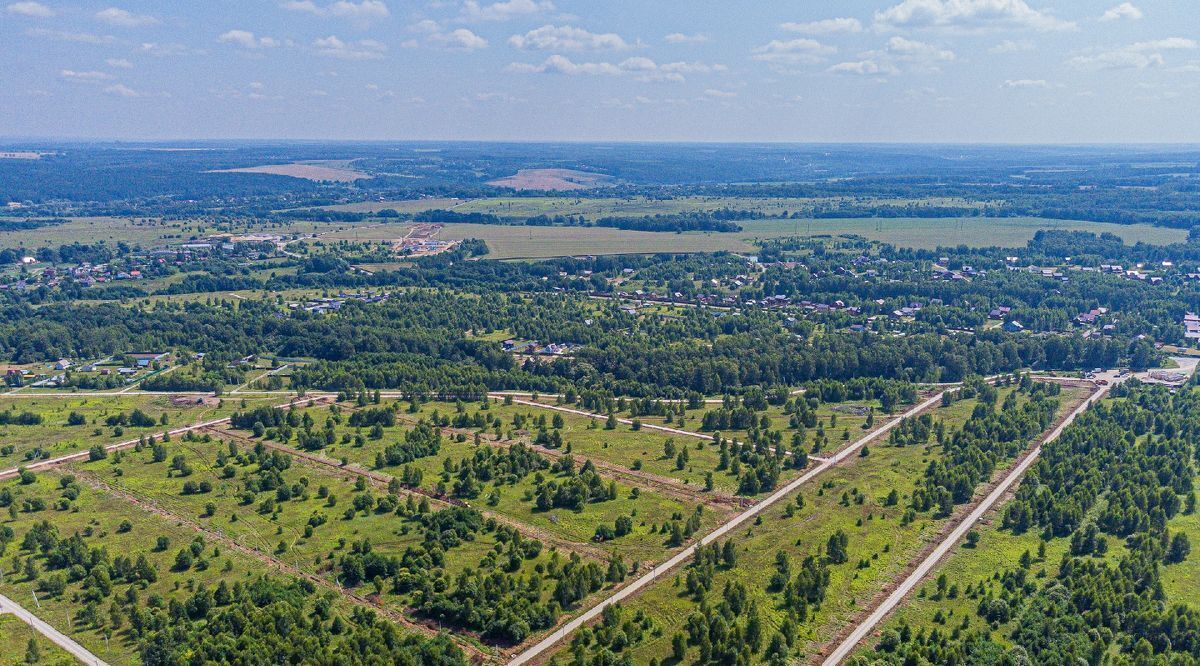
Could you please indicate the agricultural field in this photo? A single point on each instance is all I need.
(519, 242)
(54, 425)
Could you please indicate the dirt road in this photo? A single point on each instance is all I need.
(888, 605)
(737, 521)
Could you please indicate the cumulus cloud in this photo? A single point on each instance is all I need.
(364, 49)
(793, 51)
(119, 63)
(716, 93)
(458, 40)
(84, 77)
(1125, 10)
(1012, 46)
(123, 18)
(1139, 55)
(1025, 83)
(30, 9)
(897, 55)
(681, 38)
(365, 10)
(968, 15)
(644, 69)
(825, 26)
(247, 40)
(864, 67)
(568, 38)
(914, 50)
(504, 11)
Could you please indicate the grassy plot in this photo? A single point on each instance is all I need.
(514, 497)
(304, 516)
(100, 519)
(1180, 581)
(59, 433)
(14, 646)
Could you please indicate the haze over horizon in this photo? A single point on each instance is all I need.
(893, 71)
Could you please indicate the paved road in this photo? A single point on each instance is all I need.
(62, 640)
(735, 522)
(866, 626)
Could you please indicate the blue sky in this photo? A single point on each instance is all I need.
(1062, 71)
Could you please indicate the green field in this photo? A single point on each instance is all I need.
(849, 498)
(513, 501)
(509, 242)
(14, 644)
(53, 437)
(97, 515)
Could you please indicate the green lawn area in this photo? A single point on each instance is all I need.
(14, 644)
(53, 437)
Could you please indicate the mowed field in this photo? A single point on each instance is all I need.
(508, 242)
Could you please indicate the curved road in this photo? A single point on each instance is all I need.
(62, 640)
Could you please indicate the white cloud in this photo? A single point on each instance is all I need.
(968, 15)
(364, 49)
(917, 51)
(681, 38)
(793, 51)
(1012, 46)
(30, 9)
(119, 63)
(122, 90)
(568, 38)
(644, 69)
(719, 94)
(1139, 55)
(825, 26)
(360, 11)
(77, 37)
(84, 77)
(1025, 83)
(864, 67)
(247, 40)
(503, 11)
(168, 49)
(898, 52)
(1125, 10)
(125, 19)
(458, 40)
(557, 64)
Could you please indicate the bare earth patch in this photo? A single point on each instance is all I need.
(307, 171)
(555, 180)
